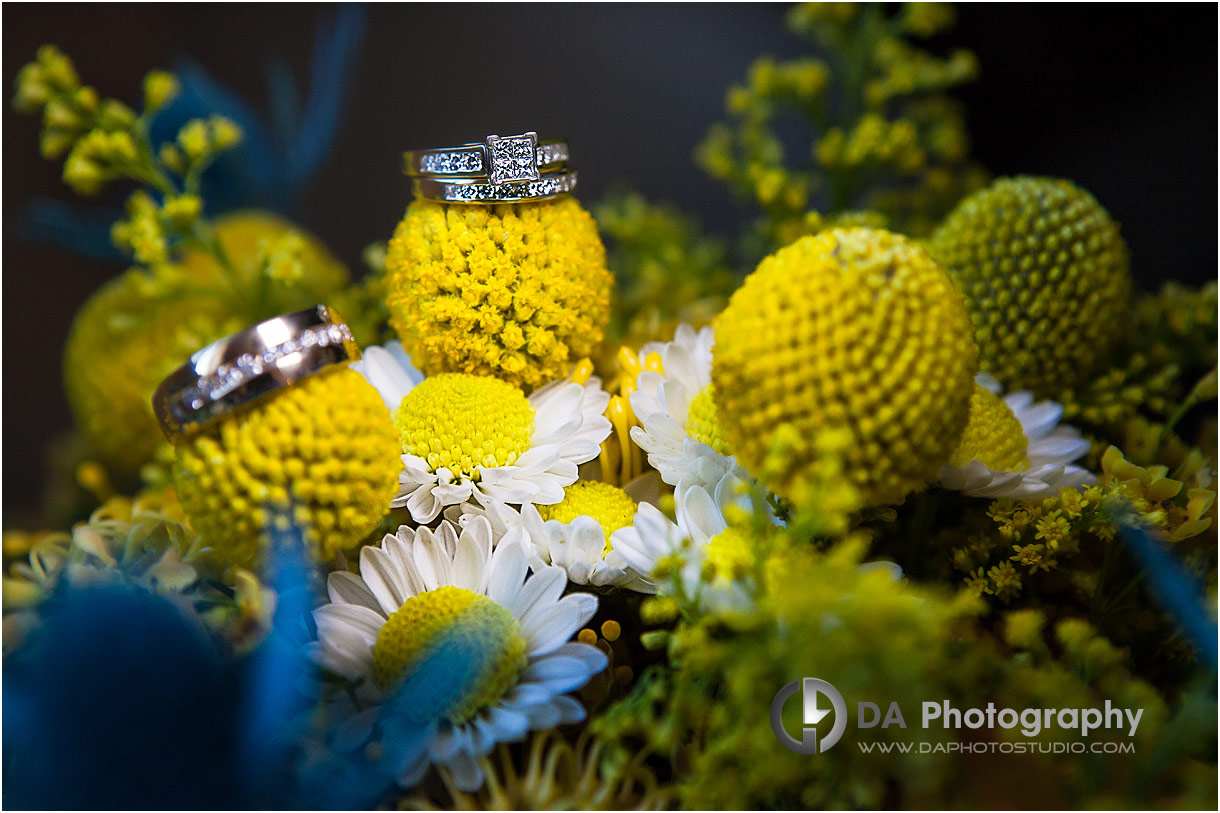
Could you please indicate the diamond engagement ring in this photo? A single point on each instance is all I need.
(470, 191)
(240, 369)
(499, 159)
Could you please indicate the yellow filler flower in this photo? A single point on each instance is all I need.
(517, 291)
(855, 330)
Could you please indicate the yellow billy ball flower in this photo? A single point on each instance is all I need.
(1046, 278)
(325, 446)
(853, 330)
(139, 327)
(517, 291)
(299, 270)
(134, 331)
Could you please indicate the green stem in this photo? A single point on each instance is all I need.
(1192, 400)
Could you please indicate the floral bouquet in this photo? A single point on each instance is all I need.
(517, 521)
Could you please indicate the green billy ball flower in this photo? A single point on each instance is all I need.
(1046, 279)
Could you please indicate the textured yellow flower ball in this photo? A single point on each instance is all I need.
(855, 330)
(137, 328)
(134, 331)
(518, 291)
(326, 446)
(1046, 278)
(299, 270)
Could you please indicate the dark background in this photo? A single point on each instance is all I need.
(1119, 98)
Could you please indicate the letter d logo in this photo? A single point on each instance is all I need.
(812, 715)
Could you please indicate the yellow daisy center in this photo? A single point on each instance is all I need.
(730, 555)
(993, 435)
(701, 423)
(459, 651)
(465, 422)
(609, 505)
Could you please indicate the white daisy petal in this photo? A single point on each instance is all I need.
(508, 568)
(543, 589)
(382, 578)
(547, 632)
(570, 710)
(467, 775)
(348, 621)
(509, 725)
(389, 373)
(348, 588)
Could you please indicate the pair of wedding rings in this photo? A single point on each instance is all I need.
(501, 169)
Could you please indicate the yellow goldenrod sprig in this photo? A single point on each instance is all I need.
(105, 140)
(883, 133)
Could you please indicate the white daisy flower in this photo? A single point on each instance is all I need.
(710, 559)
(451, 649)
(674, 406)
(577, 534)
(1013, 447)
(469, 436)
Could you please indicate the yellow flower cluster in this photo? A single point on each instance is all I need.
(1046, 279)
(856, 330)
(518, 291)
(873, 140)
(993, 435)
(325, 447)
(1053, 533)
(489, 633)
(465, 422)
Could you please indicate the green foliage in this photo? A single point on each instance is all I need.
(667, 271)
(880, 639)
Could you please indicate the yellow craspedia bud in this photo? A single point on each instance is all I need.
(855, 331)
(517, 291)
(993, 436)
(138, 328)
(126, 338)
(1046, 278)
(325, 447)
(255, 242)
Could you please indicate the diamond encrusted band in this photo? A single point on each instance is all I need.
(241, 369)
(548, 186)
(499, 159)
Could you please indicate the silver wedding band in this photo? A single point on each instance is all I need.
(241, 369)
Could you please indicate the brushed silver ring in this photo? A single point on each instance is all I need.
(245, 367)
